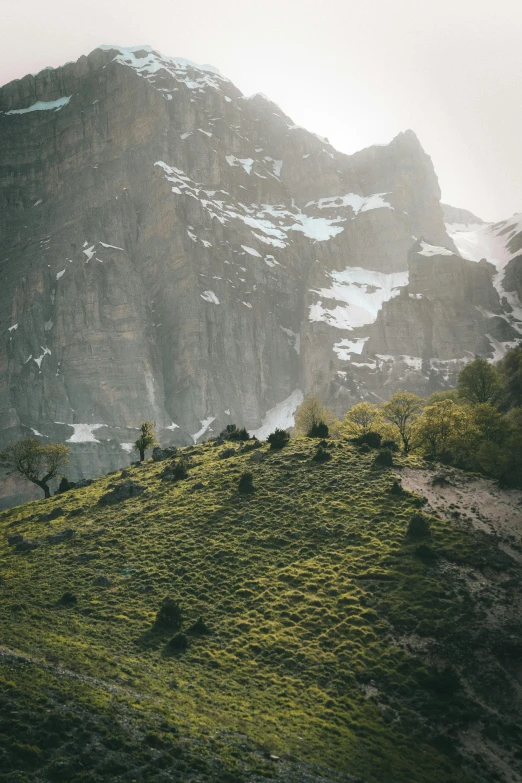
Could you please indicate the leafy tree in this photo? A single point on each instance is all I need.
(231, 432)
(490, 423)
(147, 439)
(445, 427)
(402, 410)
(35, 461)
(362, 417)
(278, 439)
(310, 414)
(510, 369)
(479, 382)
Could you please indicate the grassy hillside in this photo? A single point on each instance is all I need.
(333, 645)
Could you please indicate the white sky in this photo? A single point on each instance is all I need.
(356, 71)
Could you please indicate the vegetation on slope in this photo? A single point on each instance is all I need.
(298, 651)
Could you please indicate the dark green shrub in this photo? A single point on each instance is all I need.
(178, 643)
(419, 527)
(396, 488)
(426, 554)
(364, 448)
(373, 439)
(319, 430)
(170, 615)
(68, 599)
(390, 444)
(321, 455)
(444, 682)
(199, 628)
(179, 470)
(278, 439)
(246, 485)
(231, 432)
(384, 458)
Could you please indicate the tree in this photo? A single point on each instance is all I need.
(446, 427)
(35, 461)
(402, 410)
(490, 423)
(361, 417)
(479, 382)
(310, 414)
(147, 439)
(510, 369)
(278, 439)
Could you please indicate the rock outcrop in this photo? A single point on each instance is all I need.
(176, 251)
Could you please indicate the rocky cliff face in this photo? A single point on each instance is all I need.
(176, 251)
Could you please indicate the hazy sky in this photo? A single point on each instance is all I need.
(357, 72)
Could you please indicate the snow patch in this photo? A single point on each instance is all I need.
(434, 250)
(209, 296)
(13, 328)
(128, 447)
(345, 348)
(43, 106)
(357, 203)
(39, 360)
(363, 291)
(60, 274)
(281, 416)
(295, 339)
(251, 251)
(205, 424)
(83, 433)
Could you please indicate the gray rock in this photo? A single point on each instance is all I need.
(258, 456)
(127, 489)
(26, 546)
(160, 454)
(16, 538)
(226, 453)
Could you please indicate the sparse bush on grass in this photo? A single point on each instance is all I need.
(396, 488)
(372, 439)
(169, 616)
(246, 485)
(390, 444)
(364, 449)
(321, 455)
(419, 527)
(179, 470)
(231, 432)
(278, 439)
(318, 430)
(178, 643)
(199, 628)
(384, 458)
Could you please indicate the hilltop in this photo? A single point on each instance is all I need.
(320, 640)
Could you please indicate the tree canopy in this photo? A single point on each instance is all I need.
(147, 439)
(35, 461)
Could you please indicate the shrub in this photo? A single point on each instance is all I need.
(318, 430)
(278, 439)
(170, 615)
(396, 488)
(199, 628)
(321, 455)
(384, 458)
(178, 643)
(231, 432)
(419, 527)
(390, 444)
(364, 448)
(179, 470)
(372, 439)
(246, 485)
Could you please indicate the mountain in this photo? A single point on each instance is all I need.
(321, 638)
(174, 250)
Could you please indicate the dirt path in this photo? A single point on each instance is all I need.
(472, 501)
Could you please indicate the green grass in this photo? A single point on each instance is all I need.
(306, 586)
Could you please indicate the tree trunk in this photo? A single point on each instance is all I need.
(43, 485)
(142, 455)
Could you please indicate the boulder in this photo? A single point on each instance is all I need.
(159, 454)
(226, 453)
(123, 491)
(63, 535)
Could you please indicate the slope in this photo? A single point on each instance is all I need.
(332, 645)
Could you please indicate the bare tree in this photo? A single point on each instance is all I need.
(35, 461)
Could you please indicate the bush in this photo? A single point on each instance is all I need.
(199, 628)
(372, 439)
(321, 455)
(419, 527)
(319, 430)
(170, 615)
(246, 485)
(178, 643)
(278, 439)
(384, 458)
(390, 444)
(179, 470)
(364, 448)
(231, 432)
(396, 488)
